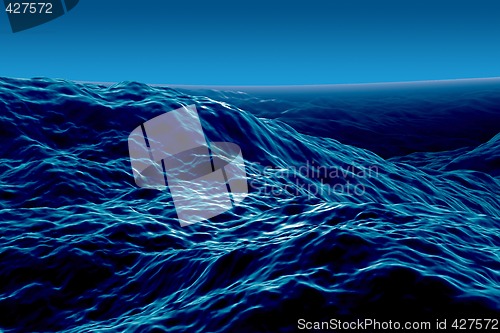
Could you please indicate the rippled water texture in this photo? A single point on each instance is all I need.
(381, 203)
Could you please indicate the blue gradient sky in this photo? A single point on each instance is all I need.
(260, 42)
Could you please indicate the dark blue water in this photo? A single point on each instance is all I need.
(364, 203)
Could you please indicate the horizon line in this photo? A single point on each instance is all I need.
(293, 86)
(356, 84)
(216, 86)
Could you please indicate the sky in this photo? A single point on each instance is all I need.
(272, 42)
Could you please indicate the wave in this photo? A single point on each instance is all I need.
(358, 208)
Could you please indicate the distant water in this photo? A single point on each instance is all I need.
(370, 202)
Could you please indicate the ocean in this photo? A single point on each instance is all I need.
(365, 202)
